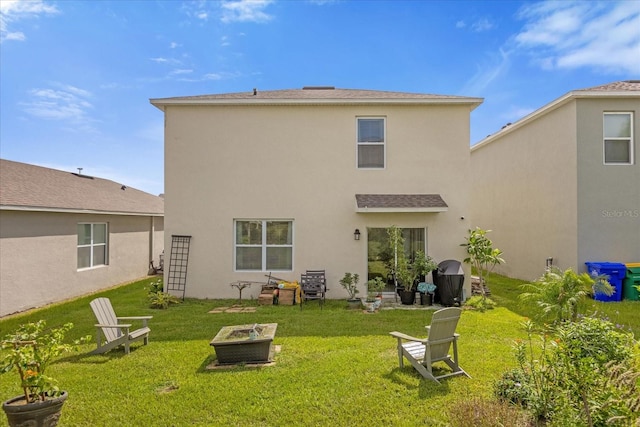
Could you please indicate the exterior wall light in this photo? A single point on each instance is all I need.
(356, 234)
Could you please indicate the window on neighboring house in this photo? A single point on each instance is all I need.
(263, 245)
(618, 138)
(371, 143)
(92, 245)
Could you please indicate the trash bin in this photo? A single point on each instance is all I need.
(615, 272)
(631, 280)
(449, 279)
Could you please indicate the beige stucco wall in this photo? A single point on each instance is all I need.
(524, 190)
(38, 256)
(608, 195)
(299, 163)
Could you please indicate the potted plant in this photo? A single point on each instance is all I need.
(410, 273)
(374, 293)
(427, 291)
(29, 351)
(374, 288)
(350, 283)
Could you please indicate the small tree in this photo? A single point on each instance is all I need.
(556, 296)
(350, 283)
(482, 256)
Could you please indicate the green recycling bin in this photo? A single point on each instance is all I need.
(630, 282)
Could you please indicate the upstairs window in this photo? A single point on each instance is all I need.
(92, 245)
(371, 143)
(618, 138)
(262, 245)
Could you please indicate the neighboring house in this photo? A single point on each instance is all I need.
(281, 181)
(563, 182)
(65, 234)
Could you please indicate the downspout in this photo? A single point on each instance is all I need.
(152, 233)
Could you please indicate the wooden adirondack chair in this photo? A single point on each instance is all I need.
(110, 333)
(423, 352)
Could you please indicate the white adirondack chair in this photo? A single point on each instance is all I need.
(111, 333)
(423, 352)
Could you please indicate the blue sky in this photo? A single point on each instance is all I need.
(76, 76)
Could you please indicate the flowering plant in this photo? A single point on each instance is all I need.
(29, 350)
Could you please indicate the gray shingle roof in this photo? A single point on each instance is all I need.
(409, 202)
(25, 186)
(310, 95)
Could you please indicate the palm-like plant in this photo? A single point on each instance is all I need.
(557, 294)
(483, 257)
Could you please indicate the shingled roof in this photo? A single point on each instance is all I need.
(624, 85)
(29, 187)
(400, 203)
(313, 95)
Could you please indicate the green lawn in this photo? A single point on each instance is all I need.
(336, 367)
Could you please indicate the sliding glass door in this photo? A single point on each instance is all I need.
(380, 256)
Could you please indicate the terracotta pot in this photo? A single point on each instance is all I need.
(37, 414)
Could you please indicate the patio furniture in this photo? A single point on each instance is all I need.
(111, 333)
(314, 286)
(423, 352)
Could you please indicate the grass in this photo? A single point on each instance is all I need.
(336, 366)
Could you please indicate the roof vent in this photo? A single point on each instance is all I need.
(319, 88)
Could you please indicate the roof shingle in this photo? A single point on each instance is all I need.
(416, 202)
(624, 85)
(25, 186)
(311, 95)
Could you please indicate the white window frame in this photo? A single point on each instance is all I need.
(629, 139)
(383, 143)
(263, 245)
(91, 245)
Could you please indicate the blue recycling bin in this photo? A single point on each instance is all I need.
(615, 273)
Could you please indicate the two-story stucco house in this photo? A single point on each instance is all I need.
(283, 181)
(563, 182)
(66, 234)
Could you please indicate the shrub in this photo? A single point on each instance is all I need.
(158, 298)
(480, 303)
(583, 373)
(513, 387)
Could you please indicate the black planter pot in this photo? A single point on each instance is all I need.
(407, 297)
(426, 299)
(38, 414)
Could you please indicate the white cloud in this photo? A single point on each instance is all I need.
(181, 71)
(460, 24)
(245, 11)
(12, 11)
(496, 66)
(174, 45)
(481, 25)
(578, 34)
(64, 103)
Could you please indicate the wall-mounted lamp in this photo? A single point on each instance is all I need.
(356, 234)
